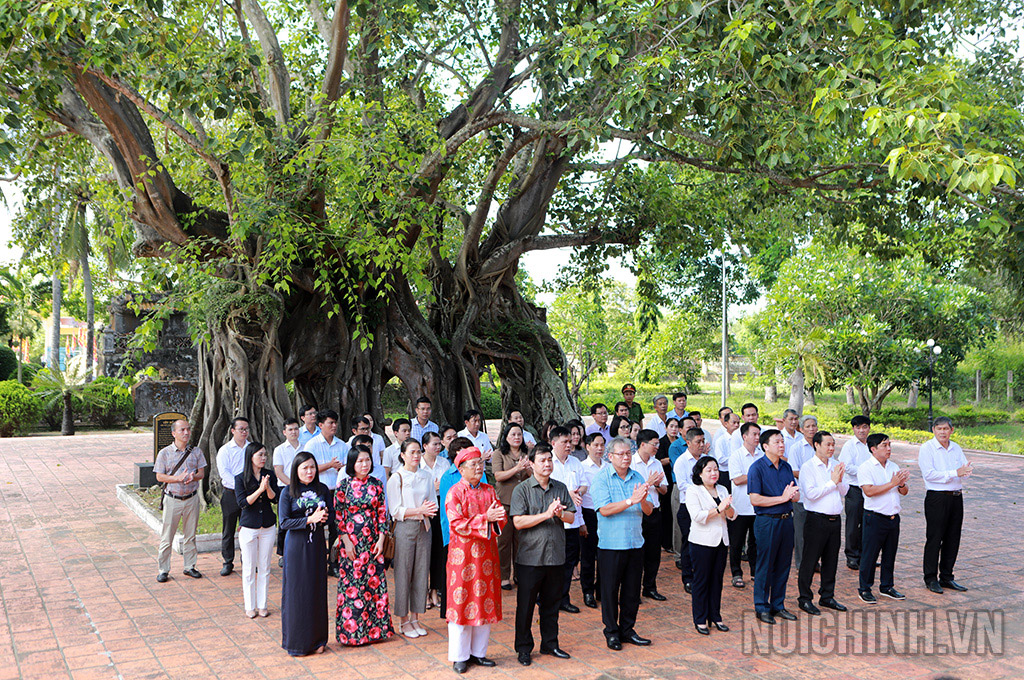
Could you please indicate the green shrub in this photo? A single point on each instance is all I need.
(490, 404)
(1018, 416)
(8, 364)
(19, 408)
(107, 403)
(53, 413)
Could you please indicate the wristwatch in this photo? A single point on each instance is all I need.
(629, 502)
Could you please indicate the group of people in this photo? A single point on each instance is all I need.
(456, 520)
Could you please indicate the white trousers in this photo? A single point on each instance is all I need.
(257, 547)
(466, 641)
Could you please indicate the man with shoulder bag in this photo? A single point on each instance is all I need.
(179, 468)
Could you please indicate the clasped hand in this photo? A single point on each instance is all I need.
(495, 513)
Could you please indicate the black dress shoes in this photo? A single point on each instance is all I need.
(192, 573)
(460, 667)
(934, 587)
(832, 604)
(614, 644)
(850, 564)
(785, 614)
(556, 652)
(953, 585)
(570, 607)
(892, 593)
(765, 617)
(654, 595)
(687, 586)
(524, 658)
(810, 608)
(720, 627)
(635, 639)
(482, 661)
(703, 630)
(162, 577)
(589, 600)
(227, 569)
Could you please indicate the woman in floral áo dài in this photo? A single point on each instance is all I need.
(362, 615)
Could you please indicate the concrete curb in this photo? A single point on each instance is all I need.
(205, 543)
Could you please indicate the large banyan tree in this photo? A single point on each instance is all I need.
(346, 191)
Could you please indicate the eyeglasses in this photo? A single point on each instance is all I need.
(620, 453)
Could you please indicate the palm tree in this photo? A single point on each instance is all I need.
(54, 386)
(804, 354)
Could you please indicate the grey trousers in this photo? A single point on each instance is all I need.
(186, 512)
(799, 517)
(412, 566)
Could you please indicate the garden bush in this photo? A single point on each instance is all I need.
(19, 408)
(1018, 416)
(107, 403)
(490, 404)
(8, 364)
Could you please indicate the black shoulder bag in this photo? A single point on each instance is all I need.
(181, 461)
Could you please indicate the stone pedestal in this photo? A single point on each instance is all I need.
(144, 475)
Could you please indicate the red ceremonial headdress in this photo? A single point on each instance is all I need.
(467, 454)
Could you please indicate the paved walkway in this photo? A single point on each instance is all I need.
(80, 599)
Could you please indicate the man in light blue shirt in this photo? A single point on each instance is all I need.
(422, 424)
(620, 496)
(309, 427)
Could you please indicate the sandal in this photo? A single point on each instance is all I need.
(419, 629)
(264, 613)
(411, 633)
(737, 582)
(251, 613)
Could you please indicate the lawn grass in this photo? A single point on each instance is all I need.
(209, 519)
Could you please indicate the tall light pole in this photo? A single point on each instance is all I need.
(725, 334)
(933, 354)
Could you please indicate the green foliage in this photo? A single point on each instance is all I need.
(1001, 354)
(107, 402)
(674, 351)
(490, 404)
(1018, 416)
(8, 364)
(19, 408)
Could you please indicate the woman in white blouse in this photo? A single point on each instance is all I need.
(412, 501)
(709, 505)
(436, 465)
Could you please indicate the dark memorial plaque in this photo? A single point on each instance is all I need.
(162, 430)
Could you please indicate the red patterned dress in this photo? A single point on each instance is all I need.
(362, 615)
(474, 593)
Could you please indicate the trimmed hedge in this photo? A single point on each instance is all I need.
(19, 408)
(107, 403)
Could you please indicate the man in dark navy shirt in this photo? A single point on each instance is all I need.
(772, 489)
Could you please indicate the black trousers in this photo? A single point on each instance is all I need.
(620, 589)
(229, 512)
(683, 518)
(708, 569)
(741, 529)
(881, 535)
(854, 523)
(652, 533)
(944, 519)
(589, 575)
(667, 522)
(822, 535)
(537, 586)
(572, 558)
(442, 586)
(438, 554)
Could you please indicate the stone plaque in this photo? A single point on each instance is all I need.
(162, 430)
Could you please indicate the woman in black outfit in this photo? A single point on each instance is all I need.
(306, 507)
(255, 492)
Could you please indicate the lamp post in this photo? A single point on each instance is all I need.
(933, 354)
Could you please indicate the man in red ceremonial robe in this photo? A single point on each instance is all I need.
(474, 594)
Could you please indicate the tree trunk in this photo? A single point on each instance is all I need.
(912, 393)
(67, 423)
(90, 315)
(57, 293)
(812, 399)
(850, 399)
(796, 390)
(771, 392)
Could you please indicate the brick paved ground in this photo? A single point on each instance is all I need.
(80, 599)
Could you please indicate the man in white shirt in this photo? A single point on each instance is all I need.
(741, 528)
(600, 414)
(854, 454)
(882, 483)
(822, 488)
(230, 459)
(308, 427)
(682, 472)
(799, 451)
(651, 469)
(569, 471)
(748, 414)
(331, 455)
(724, 416)
(721, 446)
(516, 416)
(282, 462)
(422, 424)
(472, 432)
(698, 419)
(403, 430)
(679, 407)
(378, 441)
(790, 430)
(658, 420)
(943, 467)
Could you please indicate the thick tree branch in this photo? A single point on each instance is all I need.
(338, 51)
(323, 25)
(507, 255)
(254, 72)
(277, 70)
